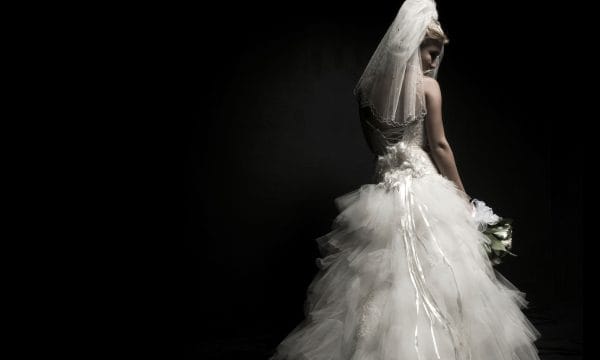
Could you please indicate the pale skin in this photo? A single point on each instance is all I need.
(439, 147)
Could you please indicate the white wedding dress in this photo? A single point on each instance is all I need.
(403, 274)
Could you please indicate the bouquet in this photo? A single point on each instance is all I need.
(498, 231)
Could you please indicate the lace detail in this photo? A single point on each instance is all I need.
(370, 319)
(403, 159)
(410, 130)
(402, 151)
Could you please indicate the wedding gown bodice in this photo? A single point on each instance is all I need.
(399, 149)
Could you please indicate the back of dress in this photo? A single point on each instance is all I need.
(380, 136)
(398, 148)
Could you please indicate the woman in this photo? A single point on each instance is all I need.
(404, 273)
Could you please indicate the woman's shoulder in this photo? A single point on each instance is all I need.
(431, 86)
(430, 82)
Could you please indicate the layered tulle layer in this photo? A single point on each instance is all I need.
(404, 275)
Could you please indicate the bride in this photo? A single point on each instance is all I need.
(404, 273)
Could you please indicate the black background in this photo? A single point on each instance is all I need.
(273, 138)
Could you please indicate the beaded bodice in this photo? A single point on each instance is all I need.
(400, 150)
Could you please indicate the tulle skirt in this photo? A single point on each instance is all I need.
(403, 275)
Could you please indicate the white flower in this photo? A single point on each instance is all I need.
(502, 233)
(507, 243)
(483, 215)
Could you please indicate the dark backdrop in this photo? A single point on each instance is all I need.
(274, 138)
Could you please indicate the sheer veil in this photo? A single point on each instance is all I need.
(391, 86)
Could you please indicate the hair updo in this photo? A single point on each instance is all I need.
(435, 33)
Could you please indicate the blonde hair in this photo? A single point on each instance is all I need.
(434, 32)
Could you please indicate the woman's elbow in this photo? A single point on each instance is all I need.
(440, 146)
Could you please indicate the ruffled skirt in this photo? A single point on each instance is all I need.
(403, 275)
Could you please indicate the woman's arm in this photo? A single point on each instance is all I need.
(440, 149)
